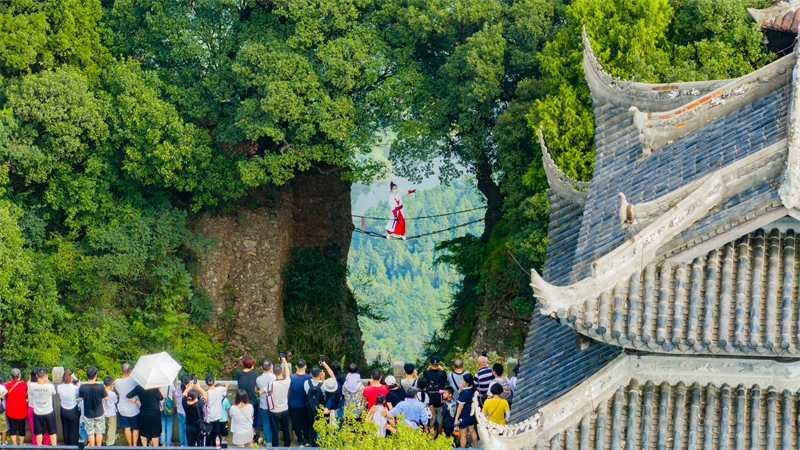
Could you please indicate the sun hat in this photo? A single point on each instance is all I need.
(330, 385)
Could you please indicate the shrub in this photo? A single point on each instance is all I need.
(355, 434)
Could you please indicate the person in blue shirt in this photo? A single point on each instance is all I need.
(334, 403)
(413, 410)
(298, 404)
(223, 422)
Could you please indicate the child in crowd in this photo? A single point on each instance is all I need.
(376, 415)
(110, 412)
(449, 413)
(496, 408)
(223, 422)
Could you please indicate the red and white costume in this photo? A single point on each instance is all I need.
(397, 221)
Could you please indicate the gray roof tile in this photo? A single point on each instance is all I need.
(618, 158)
(676, 416)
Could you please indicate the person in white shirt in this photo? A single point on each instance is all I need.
(215, 396)
(241, 417)
(41, 396)
(110, 411)
(279, 413)
(128, 411)
(70, 414)
(262, 382)
(457, 376)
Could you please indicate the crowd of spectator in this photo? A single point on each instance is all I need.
(266, 409)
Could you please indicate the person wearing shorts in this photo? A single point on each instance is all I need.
(16, 407)
(92, 394)
(128, 411)
(44, 415)
(465, 413)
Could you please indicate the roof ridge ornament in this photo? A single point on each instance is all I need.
(790, 187)
(645, 96)
(572, 190)
(696, 200)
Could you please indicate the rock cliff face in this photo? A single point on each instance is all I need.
(243, 275)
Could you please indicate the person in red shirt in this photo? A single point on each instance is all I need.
(17, 406)
(375, 388)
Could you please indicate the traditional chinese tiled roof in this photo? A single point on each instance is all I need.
(783, 16)
(738, 299)
(653, 402)
(619, 166)
(683, 185)
(789, 21)
(554, 362)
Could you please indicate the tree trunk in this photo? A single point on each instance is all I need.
(494, 198)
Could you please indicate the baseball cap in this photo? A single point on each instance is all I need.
(390, 381)
(435, 360)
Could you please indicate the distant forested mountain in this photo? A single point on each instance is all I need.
(401, 275)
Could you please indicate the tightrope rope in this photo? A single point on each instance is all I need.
(417, 236)
(423, 217)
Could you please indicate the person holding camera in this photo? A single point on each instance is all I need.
(298, 404)
(194, 399)
(278, 400)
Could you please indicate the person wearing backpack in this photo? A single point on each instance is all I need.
(410, 379)
(214, 401)
(507, 394)
(167, 415)
(449, 409)
(314, 398)
(437, 380)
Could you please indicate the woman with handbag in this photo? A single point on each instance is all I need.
(167, 415)
(241, 416)
(194, 402)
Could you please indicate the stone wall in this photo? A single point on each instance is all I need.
(243, 275)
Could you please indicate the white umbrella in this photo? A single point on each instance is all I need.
(152, 371)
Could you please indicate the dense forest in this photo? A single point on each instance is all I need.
(402, 279)
(122, 120)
